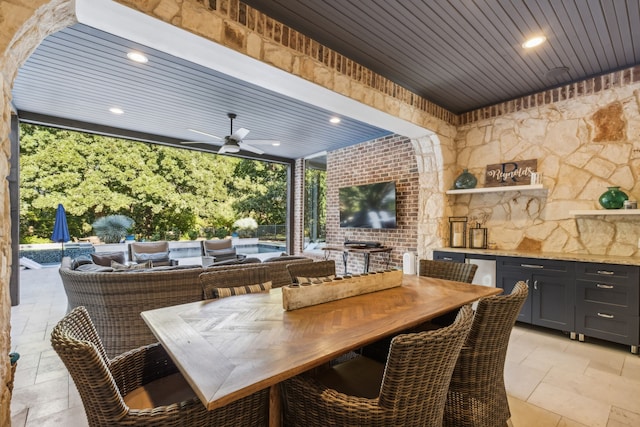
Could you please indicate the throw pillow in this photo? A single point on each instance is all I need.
(155, 257)
(81, 260)
(122, 267)
(314, 280)
(105, 258)
(241, 290)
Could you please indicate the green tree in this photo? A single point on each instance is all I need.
(168, 192)
(260, 191)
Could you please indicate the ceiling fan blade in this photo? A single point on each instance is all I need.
(222, 150)
(204, 133)
(239, 134)
(263, 142)
(199, 142)
(248, 147)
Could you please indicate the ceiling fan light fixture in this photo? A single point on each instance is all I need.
(231, 146)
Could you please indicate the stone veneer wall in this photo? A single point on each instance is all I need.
(385, 159)
(583, 145)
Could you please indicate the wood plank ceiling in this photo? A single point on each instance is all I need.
(462, 54)
(459, 54)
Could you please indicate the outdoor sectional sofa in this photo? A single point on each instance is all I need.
(115, 299)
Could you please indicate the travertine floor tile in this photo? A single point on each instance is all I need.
(631, 367)
(622, 418)
(524, 414)
(546, 357)
(590, 412)
(74, 417)
(520, 380)
(566, 422)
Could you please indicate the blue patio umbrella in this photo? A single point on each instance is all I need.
(60, 228)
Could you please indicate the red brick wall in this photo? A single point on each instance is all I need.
(385, 159)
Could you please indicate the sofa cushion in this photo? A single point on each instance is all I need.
(94, 268)
(123, 267)
(105, 258)
(241, 290)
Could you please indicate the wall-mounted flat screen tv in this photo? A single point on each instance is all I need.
(368, 206)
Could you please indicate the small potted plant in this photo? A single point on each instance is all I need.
(245, 227)
(112, 228)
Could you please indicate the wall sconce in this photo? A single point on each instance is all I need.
(478, 237)
(458, 231)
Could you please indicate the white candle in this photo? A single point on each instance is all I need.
(457, 239)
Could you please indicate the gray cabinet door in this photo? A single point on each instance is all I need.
(551, 283)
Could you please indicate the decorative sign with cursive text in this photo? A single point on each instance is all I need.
(510, 173)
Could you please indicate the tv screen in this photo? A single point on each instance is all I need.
(368, 206)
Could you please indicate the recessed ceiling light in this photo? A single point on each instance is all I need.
(334, 119)
(533, 42)
(137, 57)
(116, 110)
(276, 144)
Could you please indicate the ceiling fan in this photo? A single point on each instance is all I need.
(234, 142)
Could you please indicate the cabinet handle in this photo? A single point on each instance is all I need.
(603, 286)
(605, 315)
(532, 266)
(535, 285)
(606, 273)
(527, 282)
(446, 258)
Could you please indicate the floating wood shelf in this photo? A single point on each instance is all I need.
(607, 212)
(498, 189)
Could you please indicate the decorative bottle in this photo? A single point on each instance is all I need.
(613, 198)
(465, 180)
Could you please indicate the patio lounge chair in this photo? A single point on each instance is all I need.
(156, 252)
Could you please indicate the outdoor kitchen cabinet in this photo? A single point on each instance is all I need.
(607, 303)
(551, 283)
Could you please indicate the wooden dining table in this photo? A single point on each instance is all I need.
(232, 347)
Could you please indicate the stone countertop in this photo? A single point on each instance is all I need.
(604, 259)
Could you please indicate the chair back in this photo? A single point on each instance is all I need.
(76, 342)
(222, 249)
(311, 270)
(144, 251)
(458, 271)
(418, 371)
(233, 278)
(478, 379)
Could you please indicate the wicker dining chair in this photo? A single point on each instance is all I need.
(477, 395)
(141, 387)
(458, 271)
(410, 390)
(235, 281)
(312, 270)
